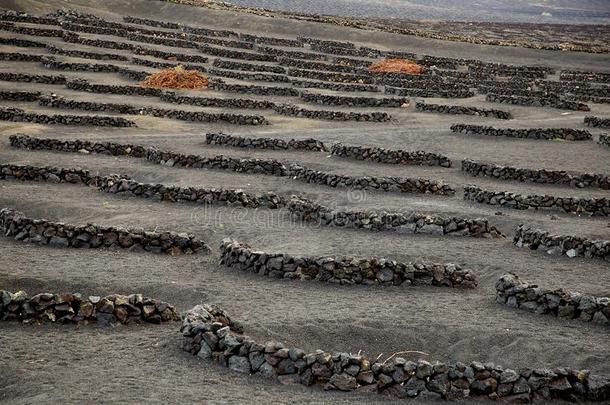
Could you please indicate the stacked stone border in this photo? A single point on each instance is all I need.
(574, 205)
(460, 109)
(537, 102)
(308, 144)
(74, 308)
(568, 245)
(516, 293)
(404, 223)
(210, 333)
(598, 122)
(604, 140)
(348, 101)
(390, 156)
(296, 111)
(542, 176)
(19, 115)
(344, 270)
(569, 134)
(57, 234)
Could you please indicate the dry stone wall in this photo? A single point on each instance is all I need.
(348, 101)
(220, 85)
(568, 245)
(575, 205)
(604, 140)
(28, 78)
(597, 122)
(390, 156)
(251, 67)
(410, 223)
(543, 176)
(210, 333)
(569, 134)
(350, 87)
(460, 109)
(19, 115)
(296, 111)
(344, 270)
(516, 293)
(537, 102)
(77, 145)
(74, 308)
(58, 234)
(309, 144)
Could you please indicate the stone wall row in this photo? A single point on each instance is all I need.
(19, 115)
(604, 140)
(568, 245)
(516, 293)
(344, 270)
(309, 144)
(296, 111)
(390, 156)
(350, 101)
(58, 234)
(543, 176)
(252, 67)
(592, 121)
(460, 109)
(408, 223)
(574, 205)
(537, 102)
(210, 333)
(428, 92)
(569, 134)
(350, 87)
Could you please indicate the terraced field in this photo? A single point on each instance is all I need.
(369, 222)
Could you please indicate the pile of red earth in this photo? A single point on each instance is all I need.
(396, 65)
(177, 78)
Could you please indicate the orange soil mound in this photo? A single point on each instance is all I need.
(396, 65)
(177, 78)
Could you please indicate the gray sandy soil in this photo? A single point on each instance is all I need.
(145, 363)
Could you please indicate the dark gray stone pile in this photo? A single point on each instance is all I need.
(19, 115)
(235, 54)
(20, 57)
(24, 43)
(210, 333)
(426, 91)
(351, 87)
(292, 43)
(39, 32)
(460, 109)
(219, 85)
(574, 205)
(77, 145)
(243, 75)
(592, 121)
(98, 43)
(515, 293)
(604, 140)
(550, 101)
(569, 134)
(386, 184)
(568, 245)
(409, 223)
(349, 101)
(252, 67)
(344, 270)
(264, 143)
(544, 176)
(58, 234)
(51, 63)
(332, 76)
(390, 156)
(28, 78)
(84, 54)
(10, 95)
(171, 97)
(321, 66)
(84, 85)
(296, 111)
(74, 308)
(582, 76)
(180, 57)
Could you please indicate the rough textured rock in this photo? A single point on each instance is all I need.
(390, 156)
(568, 134)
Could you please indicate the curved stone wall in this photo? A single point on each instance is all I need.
(84, 54)
(309, 144)
(348, 101)
(413, 222)
(172, 97)
(537, 102)
(331, 76)
(252, 67)
(516, 293)
(604, 140)
(568, 245)
(460, 109)
(390, 156)
(312, 84)
(28, 78)
(19, 115)
(569, 134)
(386, 184)
(77, 145)
(19, 95)
(592, 121)
(210, 333)
(344, 270)
(426, 91)
(574, 205)
(58, 234)
(545, 176)
(219, 85)
(296, 111)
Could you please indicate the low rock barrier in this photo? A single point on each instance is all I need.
(252, 67)
(537, 102)
(219, 85)
(210, 333)
(171, 97)
(604, 140)
(51, 63)
(321, 66)
(84, 54)
(351, 87)
(344, 270)
(543, 176)
(74, 308)
(575, 205)
(381, 155)
(592, 121)
(428, 92)
(20, 57)
(515, 293)
(84, 85)
(568, 134)
(234, 54)
(39, 32)
(24, 43)
(332, 76)
(77, 145)
(327, 99)
(28, 78)
(582, 76)
(460, 109)
(254, 76)
(19, 95)
(568, 245)
(411, 223)
(386, 184)
(57, 234)
(296, 111)
(19, 115)
(309, 144)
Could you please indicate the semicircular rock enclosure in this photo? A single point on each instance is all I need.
(205, 202)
